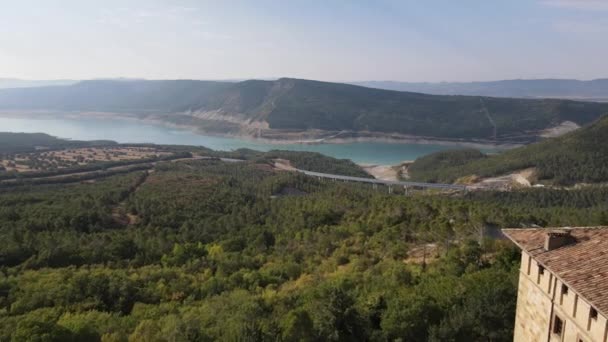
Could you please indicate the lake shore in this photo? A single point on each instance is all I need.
(312, 137)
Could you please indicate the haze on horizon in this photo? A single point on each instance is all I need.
(469, 40)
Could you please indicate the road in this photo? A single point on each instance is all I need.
(383, 182)
(485, 110)
(388, 183)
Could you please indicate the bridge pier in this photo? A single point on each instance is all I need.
(390, 189)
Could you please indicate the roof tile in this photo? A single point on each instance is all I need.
(582, 265)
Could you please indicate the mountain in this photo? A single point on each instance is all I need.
(28, 142)
(17, 83)
(596, 90)
(578, 157)
(134, 96)
(294, 108)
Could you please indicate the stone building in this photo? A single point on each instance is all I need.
(563, 284)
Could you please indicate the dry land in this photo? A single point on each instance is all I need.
(521, 179)
(61, 159)
(383, 172)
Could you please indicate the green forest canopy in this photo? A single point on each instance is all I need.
(209, 250)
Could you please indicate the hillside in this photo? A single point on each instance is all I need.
(542, 88)
(215, 251)
(580, 156)
(38, 155)
(25, 142)
(310, 161)
(293, 109)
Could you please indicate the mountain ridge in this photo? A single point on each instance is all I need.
(290, 108)
(596, 89)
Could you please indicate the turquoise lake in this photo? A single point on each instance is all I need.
(125, 131)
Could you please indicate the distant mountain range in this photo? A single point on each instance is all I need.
(29, 142)
(17, 83)
(593, 90)
(596, 90)
(303, 109)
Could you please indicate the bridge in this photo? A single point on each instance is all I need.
(388, 183)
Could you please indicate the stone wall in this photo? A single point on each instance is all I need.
(541, 297)
(533, 305)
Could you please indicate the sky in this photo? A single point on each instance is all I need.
(332, 40)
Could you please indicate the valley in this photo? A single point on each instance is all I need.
(134, 132)
(194, 242)
(303, 171)
(298, 110)
(180, 239)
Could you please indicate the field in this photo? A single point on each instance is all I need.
(65, 158)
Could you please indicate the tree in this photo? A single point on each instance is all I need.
(114, 337)
(486, 310)
(39, 331)
(334, 313)
(147, 331)
(297, 326)
(81, 328)
(408, 316)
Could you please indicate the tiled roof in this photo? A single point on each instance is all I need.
(582, 264)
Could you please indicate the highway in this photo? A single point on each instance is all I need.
(384, 182)
(375, 181)
(361, 179)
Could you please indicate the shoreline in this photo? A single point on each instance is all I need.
(368, 137)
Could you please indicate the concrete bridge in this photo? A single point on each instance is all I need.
(374, 181)
(388, 183)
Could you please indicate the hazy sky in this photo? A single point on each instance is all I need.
(339, 40)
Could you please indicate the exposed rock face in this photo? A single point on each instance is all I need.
(561, 129)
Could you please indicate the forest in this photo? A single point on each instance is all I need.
(205, 250)
(310, 161)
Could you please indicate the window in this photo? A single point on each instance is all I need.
(564, 293)
(529, 264)
(541, 271)
(593, 313)
(558, 325)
